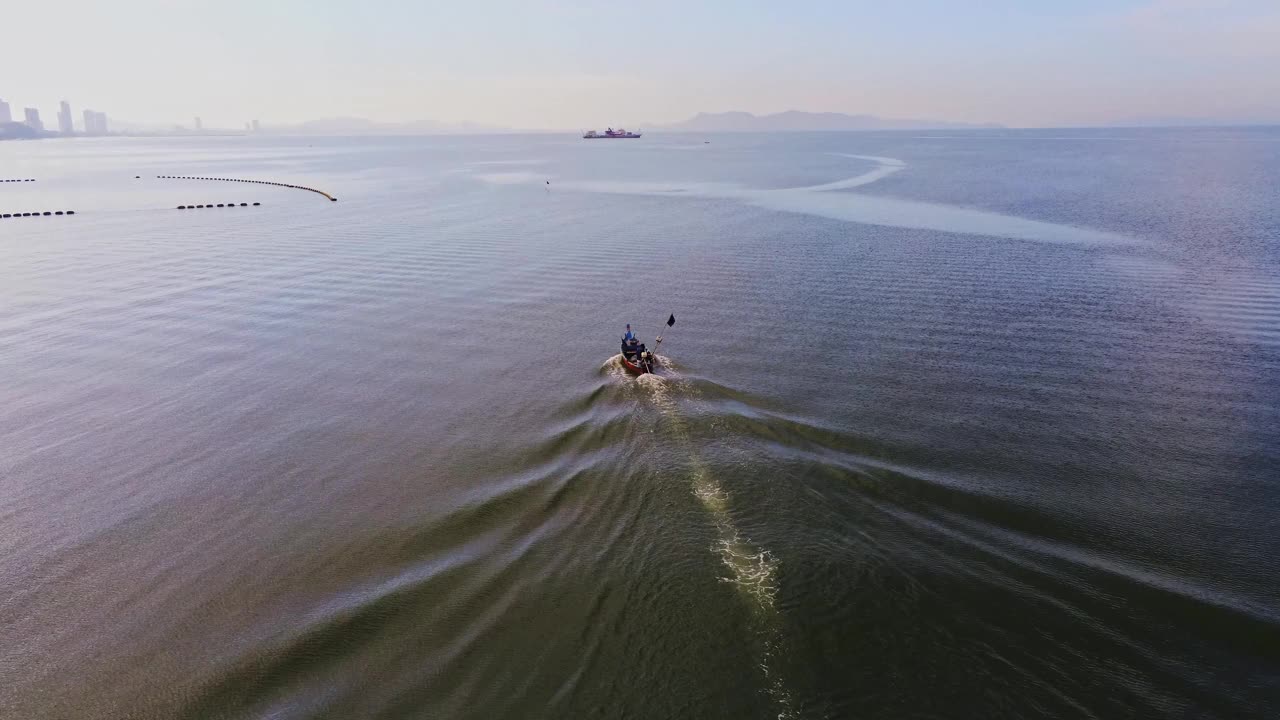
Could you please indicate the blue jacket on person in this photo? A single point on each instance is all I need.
(628, 336)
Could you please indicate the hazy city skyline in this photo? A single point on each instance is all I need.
(94, 123)
(553, 65)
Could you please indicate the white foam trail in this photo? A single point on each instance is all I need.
(1035, 138)
(485, 163)
(614, 368)
(511, 178)
(890, 212)
(825, 201)
(752, 570)
(886, 166)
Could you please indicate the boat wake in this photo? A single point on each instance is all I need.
(513, 177)
(752, 569)
(886, 167)
(614, 368)
(827, 200)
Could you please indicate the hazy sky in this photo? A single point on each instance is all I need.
(561, 64)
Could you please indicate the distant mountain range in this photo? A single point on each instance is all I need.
(362, 126)
(795, 120)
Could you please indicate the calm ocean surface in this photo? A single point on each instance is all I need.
(951, 425)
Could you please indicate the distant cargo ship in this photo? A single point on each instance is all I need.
(610, 133)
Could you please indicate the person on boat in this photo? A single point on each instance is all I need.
(628, 342)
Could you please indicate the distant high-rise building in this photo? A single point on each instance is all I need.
(255, 126)
(5, 115)
(199, 125)
(65, 126)
(33, 119)
(95, 123)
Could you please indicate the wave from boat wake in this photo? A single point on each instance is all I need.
(752, 569)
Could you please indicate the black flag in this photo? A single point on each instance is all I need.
(671, 321)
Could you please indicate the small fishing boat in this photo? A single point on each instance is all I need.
(639, 360)
(636, 358)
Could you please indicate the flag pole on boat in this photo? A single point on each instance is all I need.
(670, 322)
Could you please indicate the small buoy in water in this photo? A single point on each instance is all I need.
(58, 212)
(46, 212)
(71, 212)
(182, 207)
(244, 204)
(256, 204)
